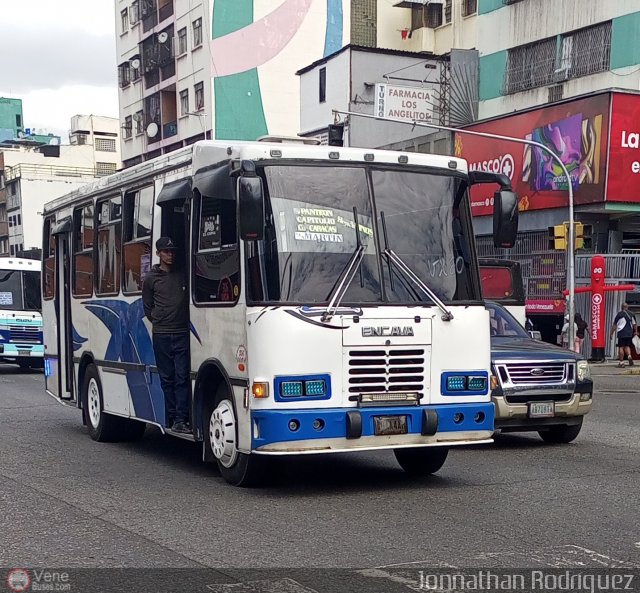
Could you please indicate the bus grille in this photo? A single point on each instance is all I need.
(386, 370)
(25, 335)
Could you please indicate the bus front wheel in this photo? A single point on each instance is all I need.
(102, 427)
(221, 434)
(421, 461)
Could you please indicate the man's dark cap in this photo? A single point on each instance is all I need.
(165, 244)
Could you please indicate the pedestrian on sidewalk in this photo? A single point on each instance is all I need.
(565, 333)
(625, 326)
(581, 326)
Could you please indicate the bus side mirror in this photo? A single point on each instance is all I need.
(505, 218)
(251, 208)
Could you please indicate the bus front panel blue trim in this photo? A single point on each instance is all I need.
(273, 426)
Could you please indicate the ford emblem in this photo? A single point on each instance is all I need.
(537, 372)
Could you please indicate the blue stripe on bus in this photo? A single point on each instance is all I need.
(272, 426)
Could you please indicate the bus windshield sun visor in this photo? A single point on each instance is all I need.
(175, 190)
(64, 226)
(215, 182)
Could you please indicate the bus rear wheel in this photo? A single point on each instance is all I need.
(421, 461)
(102, 427)
(221, 436)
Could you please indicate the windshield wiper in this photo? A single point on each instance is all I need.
(346, 276)
(403, 267)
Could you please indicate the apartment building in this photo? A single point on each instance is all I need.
(549, 50)
(11, 121)
(32, 174)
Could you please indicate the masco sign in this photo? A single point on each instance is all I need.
(503, 164)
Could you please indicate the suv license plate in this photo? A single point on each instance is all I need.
(541, 410)
(385, 425)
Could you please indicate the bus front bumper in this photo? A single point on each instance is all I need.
(331, 430)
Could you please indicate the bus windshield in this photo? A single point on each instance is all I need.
(19, 290)
(312, 215)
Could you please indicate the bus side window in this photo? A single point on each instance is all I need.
(136, 238)
(216, 273)
(48, 256)
(109, 245)
(83, 251)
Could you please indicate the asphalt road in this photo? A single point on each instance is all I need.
(69, 501)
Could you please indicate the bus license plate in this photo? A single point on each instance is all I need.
(541, 410)
(385, 425)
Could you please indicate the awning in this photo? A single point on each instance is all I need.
(63, 226)
(215, 182)
(175, 190)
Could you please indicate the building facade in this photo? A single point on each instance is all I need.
(549, 50)
(11, 122)
(32, 174)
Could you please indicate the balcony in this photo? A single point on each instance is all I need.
(3, 196)
(165, 11)
(4, 228)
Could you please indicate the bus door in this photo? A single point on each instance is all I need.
(59, 368)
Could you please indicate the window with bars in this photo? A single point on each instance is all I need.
(124, 75)
(105, 144)
(197, 33)
(447, 10)
(530, 66)
(585, 51)
(139, 119)
(134, 12)
(103, 169)
(469, 7)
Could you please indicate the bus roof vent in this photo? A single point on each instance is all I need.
(289, 140)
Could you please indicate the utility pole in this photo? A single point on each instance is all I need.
(571, 274)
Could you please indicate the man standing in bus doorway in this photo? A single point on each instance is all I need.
(166, 305)
(625, 326)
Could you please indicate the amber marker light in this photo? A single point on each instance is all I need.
(260, 390)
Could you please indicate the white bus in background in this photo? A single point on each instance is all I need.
(20, 317)
(335, 301)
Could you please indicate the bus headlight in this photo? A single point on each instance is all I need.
(584, 371)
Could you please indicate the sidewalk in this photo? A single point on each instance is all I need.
(610, 367)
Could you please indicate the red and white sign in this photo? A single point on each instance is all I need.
(577, 131)
(550, 306)
(623, 180)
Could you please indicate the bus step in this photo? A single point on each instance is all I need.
(180, 435)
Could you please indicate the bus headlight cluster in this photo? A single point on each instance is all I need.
(310, 386)
(465, 383)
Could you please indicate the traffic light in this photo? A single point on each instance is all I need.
(558, 237)
(584, 236)
(579, 230)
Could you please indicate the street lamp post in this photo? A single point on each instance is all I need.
(571, 276)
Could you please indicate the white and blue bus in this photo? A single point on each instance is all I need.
(335, 301)
(20, 317)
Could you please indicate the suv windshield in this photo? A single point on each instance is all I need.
(503, 324)
(311, 235)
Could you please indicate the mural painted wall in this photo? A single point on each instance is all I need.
(256, 48)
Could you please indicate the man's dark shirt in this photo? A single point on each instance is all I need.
(166, 301)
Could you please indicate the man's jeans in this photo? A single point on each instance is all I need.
(174, 368)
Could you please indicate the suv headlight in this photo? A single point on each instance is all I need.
(584, 371)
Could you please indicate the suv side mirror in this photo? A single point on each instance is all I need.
(251, 208)
(505, 218)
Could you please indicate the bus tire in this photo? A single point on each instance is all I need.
(221, 437)
(102, 427)
(421, 461)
